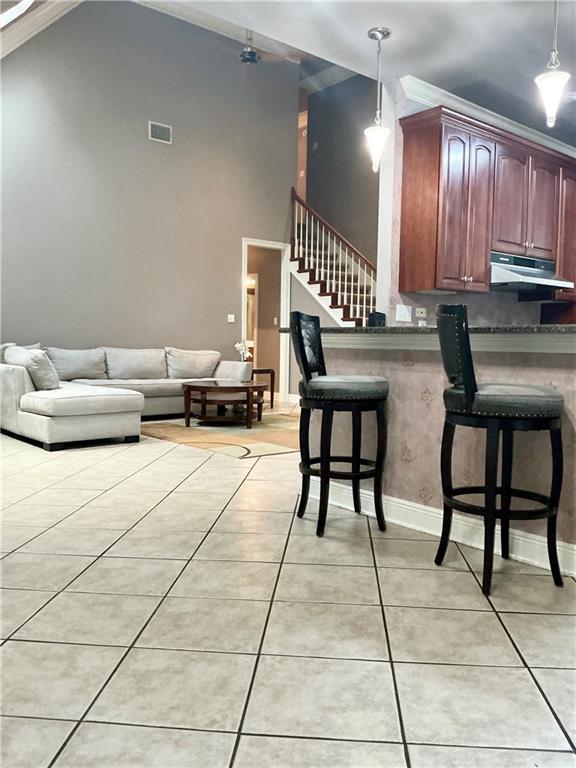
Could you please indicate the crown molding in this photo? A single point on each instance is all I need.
(429, 95)
(24, 28)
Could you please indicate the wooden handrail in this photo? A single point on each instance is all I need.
(294, 196)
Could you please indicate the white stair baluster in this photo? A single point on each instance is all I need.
(346, 288)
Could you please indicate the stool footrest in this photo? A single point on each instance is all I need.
(337, 474)
(513, 514)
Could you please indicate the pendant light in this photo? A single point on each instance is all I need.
(552, 82)
(376, 134)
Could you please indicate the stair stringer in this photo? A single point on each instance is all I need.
(314, 291)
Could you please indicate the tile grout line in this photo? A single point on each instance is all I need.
(372, 660)
(261, 644)
(290, 737)
(102, 492)
(50, 485)
(132, 645)
(97, 557)
(525, 664)
(390, 656)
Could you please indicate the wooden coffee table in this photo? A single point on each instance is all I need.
(214, 393)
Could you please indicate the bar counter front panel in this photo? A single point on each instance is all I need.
(540, 355)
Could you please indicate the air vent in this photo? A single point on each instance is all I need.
(160, 132)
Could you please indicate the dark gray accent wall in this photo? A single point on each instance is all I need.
(109, 238)
(340, 182)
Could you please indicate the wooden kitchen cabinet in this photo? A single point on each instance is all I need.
(480, 212)
(511, 199)
(447, 204)
(452, 235)
(543, 207)
(468, 189)
(566, 264)
(526, 202)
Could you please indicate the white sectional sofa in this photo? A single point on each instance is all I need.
(103, 392)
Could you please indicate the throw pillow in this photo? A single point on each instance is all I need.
(37, 363)
(135, 363)
(78, 363)
(191, 364)
(4, 347)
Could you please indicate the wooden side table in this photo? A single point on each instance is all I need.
(215, 393)
(270, 372)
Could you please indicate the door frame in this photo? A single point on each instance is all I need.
(284, 250)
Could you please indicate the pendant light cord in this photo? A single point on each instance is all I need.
(379, 86)
(554, 62)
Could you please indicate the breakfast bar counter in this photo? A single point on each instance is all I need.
(409, 357)
(515, 338)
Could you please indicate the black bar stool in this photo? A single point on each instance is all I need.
(497, 408)
(376, 320)
(354, 394)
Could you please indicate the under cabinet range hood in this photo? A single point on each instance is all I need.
(523, 273)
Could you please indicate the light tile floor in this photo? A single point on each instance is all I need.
(162, 606)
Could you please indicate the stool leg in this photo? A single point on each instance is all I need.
(356, 448)
(325, 451)
(490, 483)
(507, 454)
(379, 463)
(305, 414)
(555, 490)
(446, 474)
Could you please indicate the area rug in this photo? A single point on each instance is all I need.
(276, 433)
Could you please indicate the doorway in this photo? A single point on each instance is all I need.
(264, 307)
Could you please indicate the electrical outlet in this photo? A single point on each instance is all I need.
(403, 313)
(422, 323)
(231, 318)
(421, 313)
(275, 321)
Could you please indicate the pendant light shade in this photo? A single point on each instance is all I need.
(376, 134)
(552, 82)
(551, 85)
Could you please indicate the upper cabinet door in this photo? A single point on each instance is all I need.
(453, 208)
(566, 265)
(543, 207)
(511, 199)
(480, 207)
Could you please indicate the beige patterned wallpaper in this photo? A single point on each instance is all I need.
(416, 415)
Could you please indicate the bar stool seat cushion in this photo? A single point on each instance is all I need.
(514, 400)
(345, 388)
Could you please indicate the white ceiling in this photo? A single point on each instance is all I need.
(485, 51)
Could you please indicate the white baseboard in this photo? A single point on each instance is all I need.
(527, 547)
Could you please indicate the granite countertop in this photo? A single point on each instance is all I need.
(397, 329)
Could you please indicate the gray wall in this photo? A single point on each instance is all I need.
(341, 184)
(109, 238)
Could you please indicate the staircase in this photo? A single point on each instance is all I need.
(343, 279)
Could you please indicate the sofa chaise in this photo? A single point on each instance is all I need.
(99, 393)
